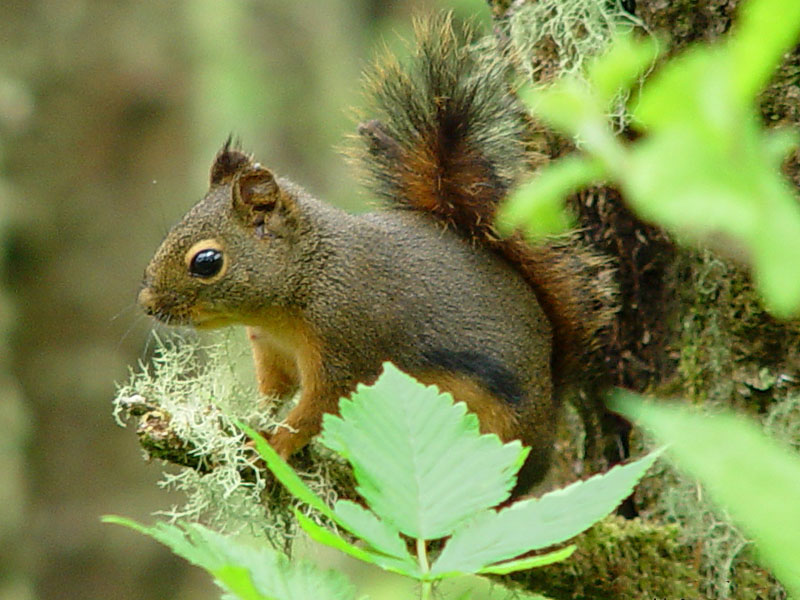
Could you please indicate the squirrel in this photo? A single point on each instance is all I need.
(424, 282)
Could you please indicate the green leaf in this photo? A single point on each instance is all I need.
(723, 193)
(532, 562)
(348, 515)
(538, 523)
(765, 30)
(248, 572)
(174, 537)
(410, 470)
(568, 104)
(238, 581)
(753, 477)
(379, 534)
(573, 107)
(619, 68)
(694, 192)
(775, 239)
(325, 536)
(692, 90)
(709, 171)
(475, 587)
(539, 203)
(705, 168)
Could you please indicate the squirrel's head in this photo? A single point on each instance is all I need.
(236, 255)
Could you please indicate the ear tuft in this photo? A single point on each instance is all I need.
(228, 162)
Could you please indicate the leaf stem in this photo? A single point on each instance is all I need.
(422, 555)
(425, 592)
(424, 567)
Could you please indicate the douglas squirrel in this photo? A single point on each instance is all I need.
(425, 282)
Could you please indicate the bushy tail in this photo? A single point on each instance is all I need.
(446, 138)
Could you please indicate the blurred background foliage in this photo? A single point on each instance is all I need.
(110, 114)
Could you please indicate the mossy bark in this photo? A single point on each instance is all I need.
(691, 326)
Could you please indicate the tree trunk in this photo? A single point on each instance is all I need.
(691, 325)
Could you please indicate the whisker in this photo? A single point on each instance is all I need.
(134, 326)
(131, 306)
(151, 341)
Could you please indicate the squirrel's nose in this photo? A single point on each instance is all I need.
(146, 300)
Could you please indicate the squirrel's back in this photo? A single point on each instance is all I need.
(432, 295)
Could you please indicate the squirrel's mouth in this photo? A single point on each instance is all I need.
(166, 309)
(157, 306)
(207, 320)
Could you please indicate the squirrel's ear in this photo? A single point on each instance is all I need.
(255, 189)
(228, 162)
(260, 202)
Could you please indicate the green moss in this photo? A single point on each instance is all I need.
(732, 353)
(619, 558)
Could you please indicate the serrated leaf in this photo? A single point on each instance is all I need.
(538, 523)
(755, 478)
(325, 536)
(248, 572)
(379, 534)
(347, 514)
(171, 536)
(532, 562)
(409, 469)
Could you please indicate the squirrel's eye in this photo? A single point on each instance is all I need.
(206, 263)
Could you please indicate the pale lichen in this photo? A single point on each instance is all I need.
(187, 401)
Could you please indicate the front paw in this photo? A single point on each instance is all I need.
(286, 441)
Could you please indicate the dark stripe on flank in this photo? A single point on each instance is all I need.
(494, 376)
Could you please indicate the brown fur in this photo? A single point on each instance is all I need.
(577, 291)
(274, 346)
(287, 354)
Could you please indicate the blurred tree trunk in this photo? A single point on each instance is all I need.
(16, 551)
